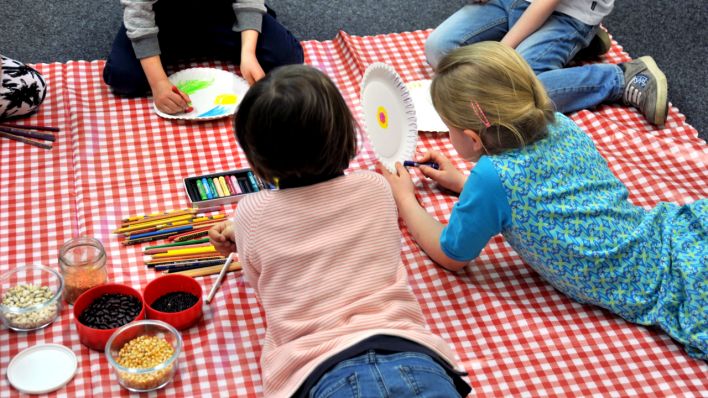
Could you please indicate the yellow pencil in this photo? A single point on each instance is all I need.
(144, 225)
(191, 250)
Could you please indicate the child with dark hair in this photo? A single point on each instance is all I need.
(323, 254)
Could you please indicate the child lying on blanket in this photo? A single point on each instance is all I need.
(323, 253)
(540, 181)
(548, 34)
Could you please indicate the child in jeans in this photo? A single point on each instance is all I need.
(155, 33)
(323, 254)
(548, 34)
(542, 184)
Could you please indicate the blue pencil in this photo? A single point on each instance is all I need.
(411, 163)
(163, 232)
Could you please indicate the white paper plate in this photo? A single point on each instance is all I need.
(42, 368)
(388, 115)
(426, 115)
(215, 93)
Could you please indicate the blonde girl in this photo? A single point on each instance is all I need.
(542, 184)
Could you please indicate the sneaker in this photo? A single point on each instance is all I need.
(599, 45)
(646, 89)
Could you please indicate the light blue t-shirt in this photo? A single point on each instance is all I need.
(482, 212)
(561, 208)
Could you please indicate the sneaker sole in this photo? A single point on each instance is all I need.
(662, 88)
(604, 38)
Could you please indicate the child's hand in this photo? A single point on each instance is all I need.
(447, 175)
(401, 184)
(251, 69)
(221, 235)
(169, 99)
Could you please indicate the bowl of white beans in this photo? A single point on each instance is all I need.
(30, 297)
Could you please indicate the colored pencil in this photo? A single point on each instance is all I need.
(189, 242)
(191, 250)
(25, 140)
(217, 283)
(166, 249)
(184, 260)
(28, 134)
(191, 265)
(235, 266)
(25, 126)
(157, 215)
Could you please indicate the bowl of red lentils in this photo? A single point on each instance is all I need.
(30, 297)
(144, 354)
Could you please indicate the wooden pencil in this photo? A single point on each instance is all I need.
(28, 134)
(235, 266)
(25, 126)
(25, 140)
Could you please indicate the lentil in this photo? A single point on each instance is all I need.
(110, 311)
(24, 296)
(145, 352)
(175, 302)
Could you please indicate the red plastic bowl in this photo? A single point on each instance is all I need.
(168, 284)
(96, 338)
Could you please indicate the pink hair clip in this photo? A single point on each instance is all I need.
(480, 114)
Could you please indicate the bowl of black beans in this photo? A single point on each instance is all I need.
(175, 299)
(99, 311)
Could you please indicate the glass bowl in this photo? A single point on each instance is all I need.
(30, 297)
(156, 345)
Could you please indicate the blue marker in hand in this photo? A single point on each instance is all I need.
(411, 163)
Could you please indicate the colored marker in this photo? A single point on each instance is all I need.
(230, 185)
(202, 191)
(252, 179)
(218, 187)
(411, 163)
(237, 187)
(224, 187)
(213, 188)
(207, 188)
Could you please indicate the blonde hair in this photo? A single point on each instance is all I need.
(493, 78)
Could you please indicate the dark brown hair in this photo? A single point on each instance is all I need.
(294, 123)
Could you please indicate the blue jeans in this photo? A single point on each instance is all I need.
(547, 51)
(405, 374)
(209, 35)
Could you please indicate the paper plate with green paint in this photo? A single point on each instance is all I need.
(215, 93)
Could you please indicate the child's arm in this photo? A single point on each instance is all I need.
(166, 98)
(223, 238)
(250, 67)
(249, 21)
(533, 18)
(425, 229)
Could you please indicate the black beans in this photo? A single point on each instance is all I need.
(175, 302)
(110, 311)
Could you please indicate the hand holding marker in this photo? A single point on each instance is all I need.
(412, 163)
(185, 98)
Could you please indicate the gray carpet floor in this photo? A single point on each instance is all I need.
(674, 33)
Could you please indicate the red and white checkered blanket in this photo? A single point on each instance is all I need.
(514, 333)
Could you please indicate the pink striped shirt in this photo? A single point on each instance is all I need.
(325, 263)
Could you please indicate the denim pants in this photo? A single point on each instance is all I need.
(405, 374)
(547, 51)
(190, 29)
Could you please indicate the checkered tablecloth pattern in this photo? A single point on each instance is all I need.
(514, 333)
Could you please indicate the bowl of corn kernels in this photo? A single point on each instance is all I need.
(30, 297)
(144, 354)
